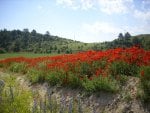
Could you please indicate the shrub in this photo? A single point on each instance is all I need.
(35, 75)
(105, 84)
(74, 80)
(54, 77)
(18, 67)
(88, 86)
(100, 84)
(123, 68)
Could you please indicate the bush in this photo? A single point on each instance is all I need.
(54, 78)
(88, 86)
(100, 84)
(74, 80)
(123, 68)
(105, 84)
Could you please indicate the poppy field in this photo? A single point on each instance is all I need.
(91, 70)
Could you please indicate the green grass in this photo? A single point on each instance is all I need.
(14, 98)
(24, 54)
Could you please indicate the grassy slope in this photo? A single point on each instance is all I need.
(24, 54)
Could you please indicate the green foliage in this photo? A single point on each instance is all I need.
(25, 41)
(145, 83)
(35, 75)
(99, 64)
(88, 85)
(100, 84)
(54, 77)
(105, 83)
(122, 79)
(24, 54)
(74, 80)
(2, 51)
(18, 67)
(123, 68)
(85, 69)
(127, 96)
(20, 104)
(14, 99)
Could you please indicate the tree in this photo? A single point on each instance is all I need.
(33, 32)
(120, 36)
(136, 41)
(26, 30)
(55, 47)
(127, 35)
(47, 33)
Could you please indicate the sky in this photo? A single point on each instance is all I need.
(82, 20)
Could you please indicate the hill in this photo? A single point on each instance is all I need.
(25, 41)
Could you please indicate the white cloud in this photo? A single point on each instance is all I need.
(106, 6)
(76, 4)
(87, 4)
(99, 32)
(145, 16)
(134, 30)
(115, 6)
(68, 3)
(143, 12)
(101, 27)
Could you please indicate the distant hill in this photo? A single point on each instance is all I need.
(142, 40)
(25, 41)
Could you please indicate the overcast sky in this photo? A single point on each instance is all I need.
(82, 20)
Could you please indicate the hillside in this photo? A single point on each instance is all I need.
(140, 40)
(25, 41)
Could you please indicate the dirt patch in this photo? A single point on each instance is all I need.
(127, 101)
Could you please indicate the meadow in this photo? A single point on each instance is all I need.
(24, 54)
(90, 71)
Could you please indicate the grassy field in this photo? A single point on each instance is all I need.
(24, 54)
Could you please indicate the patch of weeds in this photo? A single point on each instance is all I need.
(101, 84)
(145, 83)
(18, 68)
(14, 99)
(35, 75)
(127, 96)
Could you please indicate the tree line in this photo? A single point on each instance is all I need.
(26, 41)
